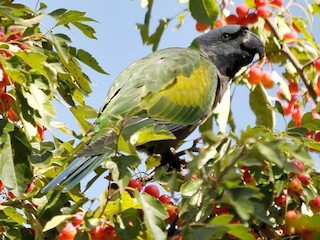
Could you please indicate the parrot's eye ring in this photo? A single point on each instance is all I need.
(226, 37)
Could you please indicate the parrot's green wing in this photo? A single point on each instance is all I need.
(174, 85)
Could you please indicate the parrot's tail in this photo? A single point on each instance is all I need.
(75, 172)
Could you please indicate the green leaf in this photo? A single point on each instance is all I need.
(12, 213)
(153, 162)
(271, 152)
(202, 158)
(154, 212)
(71, 16)
(38, 99)
(77, 73)
(191, 187)
(240, 231)
(15, 169)
(87, 59)
(122, 204)
(82, 113)
(223, 219)
(261, 106)
(58, 13)
(204, 232)
(55, 221)
(147, 38)
(85, 29)
(204, 11)
(34, 60)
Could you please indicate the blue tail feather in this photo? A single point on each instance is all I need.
(75, 172)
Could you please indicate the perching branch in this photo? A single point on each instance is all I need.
(300, 68)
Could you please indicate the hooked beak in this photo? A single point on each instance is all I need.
(252, 44)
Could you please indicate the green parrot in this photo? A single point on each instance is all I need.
(159, 100)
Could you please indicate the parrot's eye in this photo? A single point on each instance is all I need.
(226, 37)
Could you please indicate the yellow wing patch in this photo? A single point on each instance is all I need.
(190, 91)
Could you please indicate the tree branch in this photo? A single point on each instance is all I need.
(286, 50)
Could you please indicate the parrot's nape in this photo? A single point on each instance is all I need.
(166, 95)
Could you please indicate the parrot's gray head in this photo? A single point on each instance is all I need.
(231, 47)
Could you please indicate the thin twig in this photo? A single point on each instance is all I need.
(286, 50)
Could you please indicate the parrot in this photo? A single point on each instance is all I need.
(159, 100)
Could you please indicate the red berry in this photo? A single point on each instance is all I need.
(1, 186)
(297, 114)
(263, 12)
(68, 232)
(316, 137)
(304, 178)
(5, 80)
(260, 3)
(317, 64)
(255, 75)
(13, 116)
(242, 10)
(318, 81)
(232, 19)
(243, 21)
(220, 22)
(277, 3)
(293, 88)
(78, 219)
(135, 183)
(103, 233)
(6, 53)
(248, 178)
(14, 36)
(3, 37)
(295, 185)
(252, 18)
(287, 108)
(165, 198)
(292, 216)
(41, 132)
(309, 135)
(11, 195)
(201, 27)
(267, 80)
(31, 186)
(280, 95)
(152, 190)
(298, 164)
(281, 200)
(295, 27)
(173, 213)
(290, 37)
(315, 204)
(5, 102)
(223, 209)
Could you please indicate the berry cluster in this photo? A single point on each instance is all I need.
(257, 75)
(154, 191)
(243, 16)
(103, 231)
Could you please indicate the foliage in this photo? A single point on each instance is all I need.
(259, 183)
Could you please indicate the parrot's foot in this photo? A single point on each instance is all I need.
(173, 160)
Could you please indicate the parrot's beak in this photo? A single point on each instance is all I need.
(253, 45)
